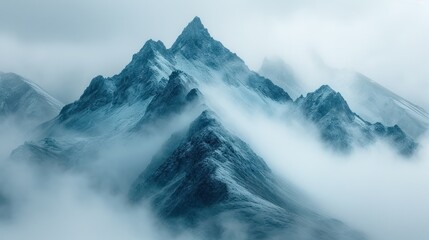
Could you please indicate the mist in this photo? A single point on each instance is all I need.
(66, 206)
(373, 189)
(87, 202)
(17, 137)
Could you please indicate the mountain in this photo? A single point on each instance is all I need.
(148, 96)
(194, 52)
(205, 176)
(25, 103)
(282, 75)
(140, 95)
(202, 174)
(370, 100)
(342, 128)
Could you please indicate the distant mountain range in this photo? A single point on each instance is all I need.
(342, 128)
(366, 97)
(203, 173)
(25, 103)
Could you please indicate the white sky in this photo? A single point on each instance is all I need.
(62, 45)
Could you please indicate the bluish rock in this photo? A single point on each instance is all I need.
(341, 128)
(206, 175)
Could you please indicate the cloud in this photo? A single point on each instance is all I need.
(12, 135)
(66, 207)
(373, 189)
(89, 202)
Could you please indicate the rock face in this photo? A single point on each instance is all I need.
(342, 128)
(24, 102)
(207, 173)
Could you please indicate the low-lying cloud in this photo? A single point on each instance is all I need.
(373, 189)
(87, 202)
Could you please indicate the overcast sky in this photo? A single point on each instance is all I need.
(62, 45)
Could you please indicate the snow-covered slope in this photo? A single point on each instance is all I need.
(343, 129)
(366, 97)
(205, 176)
(24, 102)
(194, 53)
(376, 103)
(157, 91)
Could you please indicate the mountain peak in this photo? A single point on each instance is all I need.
(328, 95)
(154, 44)
(196, 22)
(325, 89)
(192, 37)
(150, 47)
(324, 100)
(195, 28)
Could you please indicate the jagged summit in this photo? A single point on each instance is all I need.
(325, 89)
(154, 45)
(150, 47)
(195, 43)
(196, 22)
(341, 128)
(193, 37)
(325, 101)
(195, 53)
(195, 29)
(194, 32)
